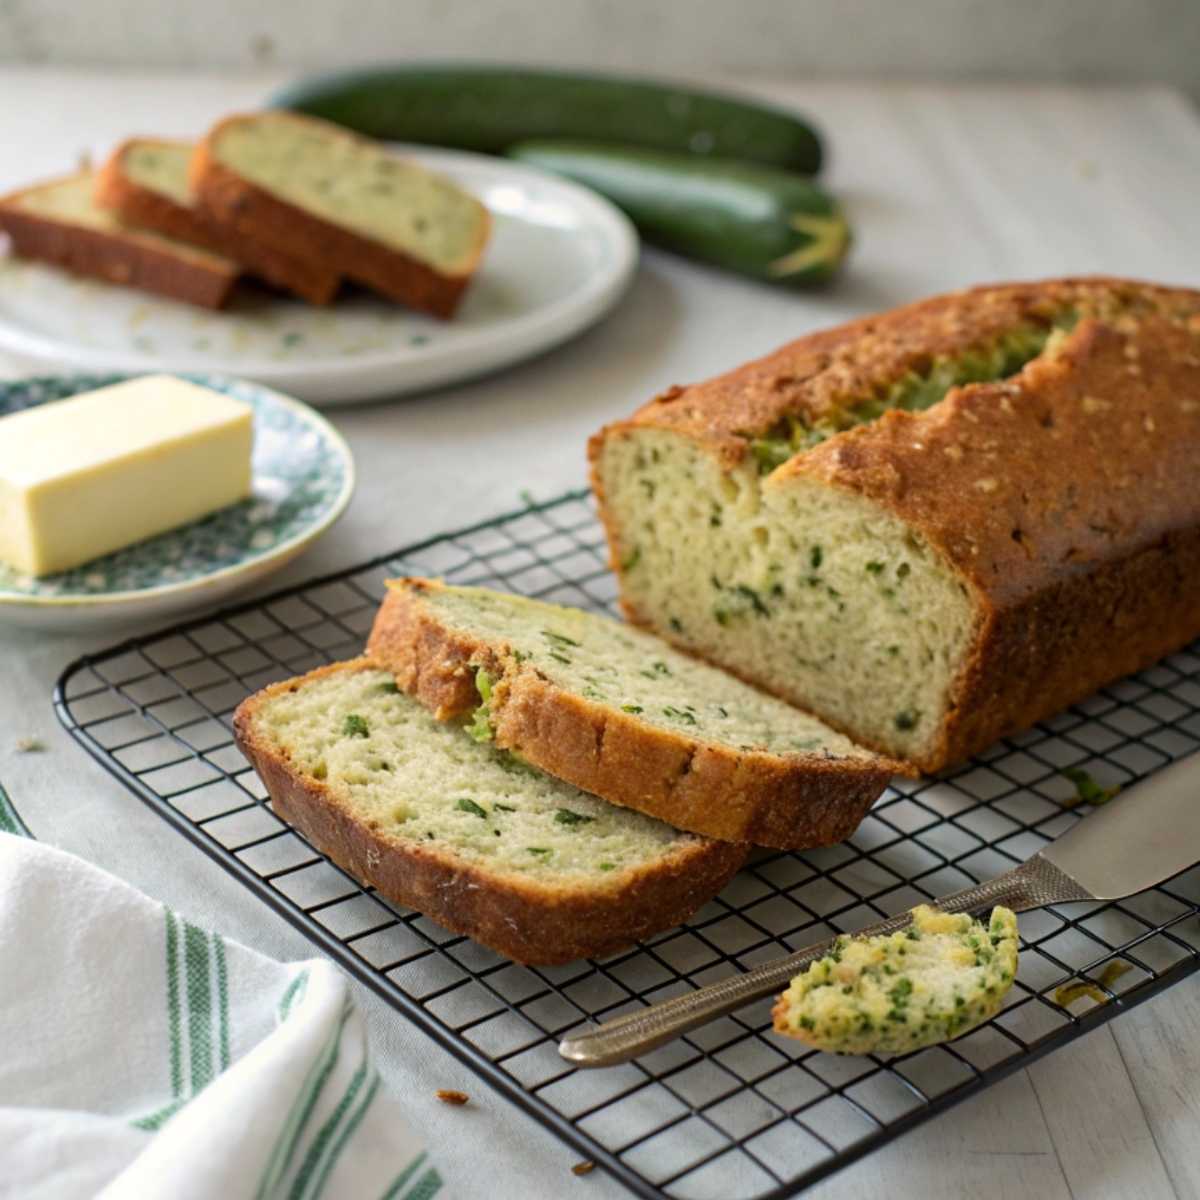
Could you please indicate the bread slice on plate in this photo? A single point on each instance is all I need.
(463, 832)
(618, 712)
(312, 189)
(145, 182)
(59, 222)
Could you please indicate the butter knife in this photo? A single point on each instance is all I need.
(1146, 835)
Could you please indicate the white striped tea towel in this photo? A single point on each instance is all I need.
(145, 1057)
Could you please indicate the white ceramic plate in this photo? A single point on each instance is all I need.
(559, 257)
(303, 477)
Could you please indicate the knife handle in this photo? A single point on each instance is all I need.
(1031, 885)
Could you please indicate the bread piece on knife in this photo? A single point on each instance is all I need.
(145, 182)
(462, 831)
(935, 980)
(59, 222)
(617, 711)
(317, 191)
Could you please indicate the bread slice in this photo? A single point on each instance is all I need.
(957, 518)
(317, 191)
(929, 983)
(618, 712)
(478, 841)
(145, 182)
(58, 222)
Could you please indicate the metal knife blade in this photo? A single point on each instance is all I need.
(1129, 845)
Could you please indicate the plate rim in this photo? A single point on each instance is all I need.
(576, 311)
(284, 550)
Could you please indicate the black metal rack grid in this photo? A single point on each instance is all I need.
(732, 1110)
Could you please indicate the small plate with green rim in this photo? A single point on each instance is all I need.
(303, 477)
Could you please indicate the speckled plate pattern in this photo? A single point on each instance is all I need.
(558, 258)
(303, 477)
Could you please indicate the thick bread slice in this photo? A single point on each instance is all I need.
(929, 983)
(479, 842)
(145, 182)
(313, 189)
(58, 222)
(618, 712)
(933, 527)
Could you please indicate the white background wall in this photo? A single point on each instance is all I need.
(1064, 40)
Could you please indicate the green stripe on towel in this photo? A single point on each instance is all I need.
(295, 991)
(426, 1187)
(403, 1177)
(316, 1149)
(156, 1120)
(222, 996)
(10, 819)
(351, 1126)
(302, 1107)
(199, 1002)
(173, 1009)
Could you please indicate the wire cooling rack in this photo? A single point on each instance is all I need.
(732, 1110)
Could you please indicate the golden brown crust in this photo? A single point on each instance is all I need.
(249, 211)
(144, 206)
(525, 920)
(115, 258)
(1064, 497)
(828, 370)
(792, 802)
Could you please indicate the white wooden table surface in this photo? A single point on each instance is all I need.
(946, 187)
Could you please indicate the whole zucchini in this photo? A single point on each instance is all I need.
(487, 108)
(759, 221)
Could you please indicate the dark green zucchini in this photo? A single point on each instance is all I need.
(756, 220)
(488, 108)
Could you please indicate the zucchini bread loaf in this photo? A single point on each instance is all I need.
(931, 527)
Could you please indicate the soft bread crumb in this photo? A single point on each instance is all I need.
(618, 665)
(413, 779)
(809, 590)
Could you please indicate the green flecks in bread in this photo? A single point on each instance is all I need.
(914, 391)
(813, 593)
(355, 183)
(480, 727)
(412, 779)
(633, 672)
(935, 980)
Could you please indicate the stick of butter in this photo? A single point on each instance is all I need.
(88, 475)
